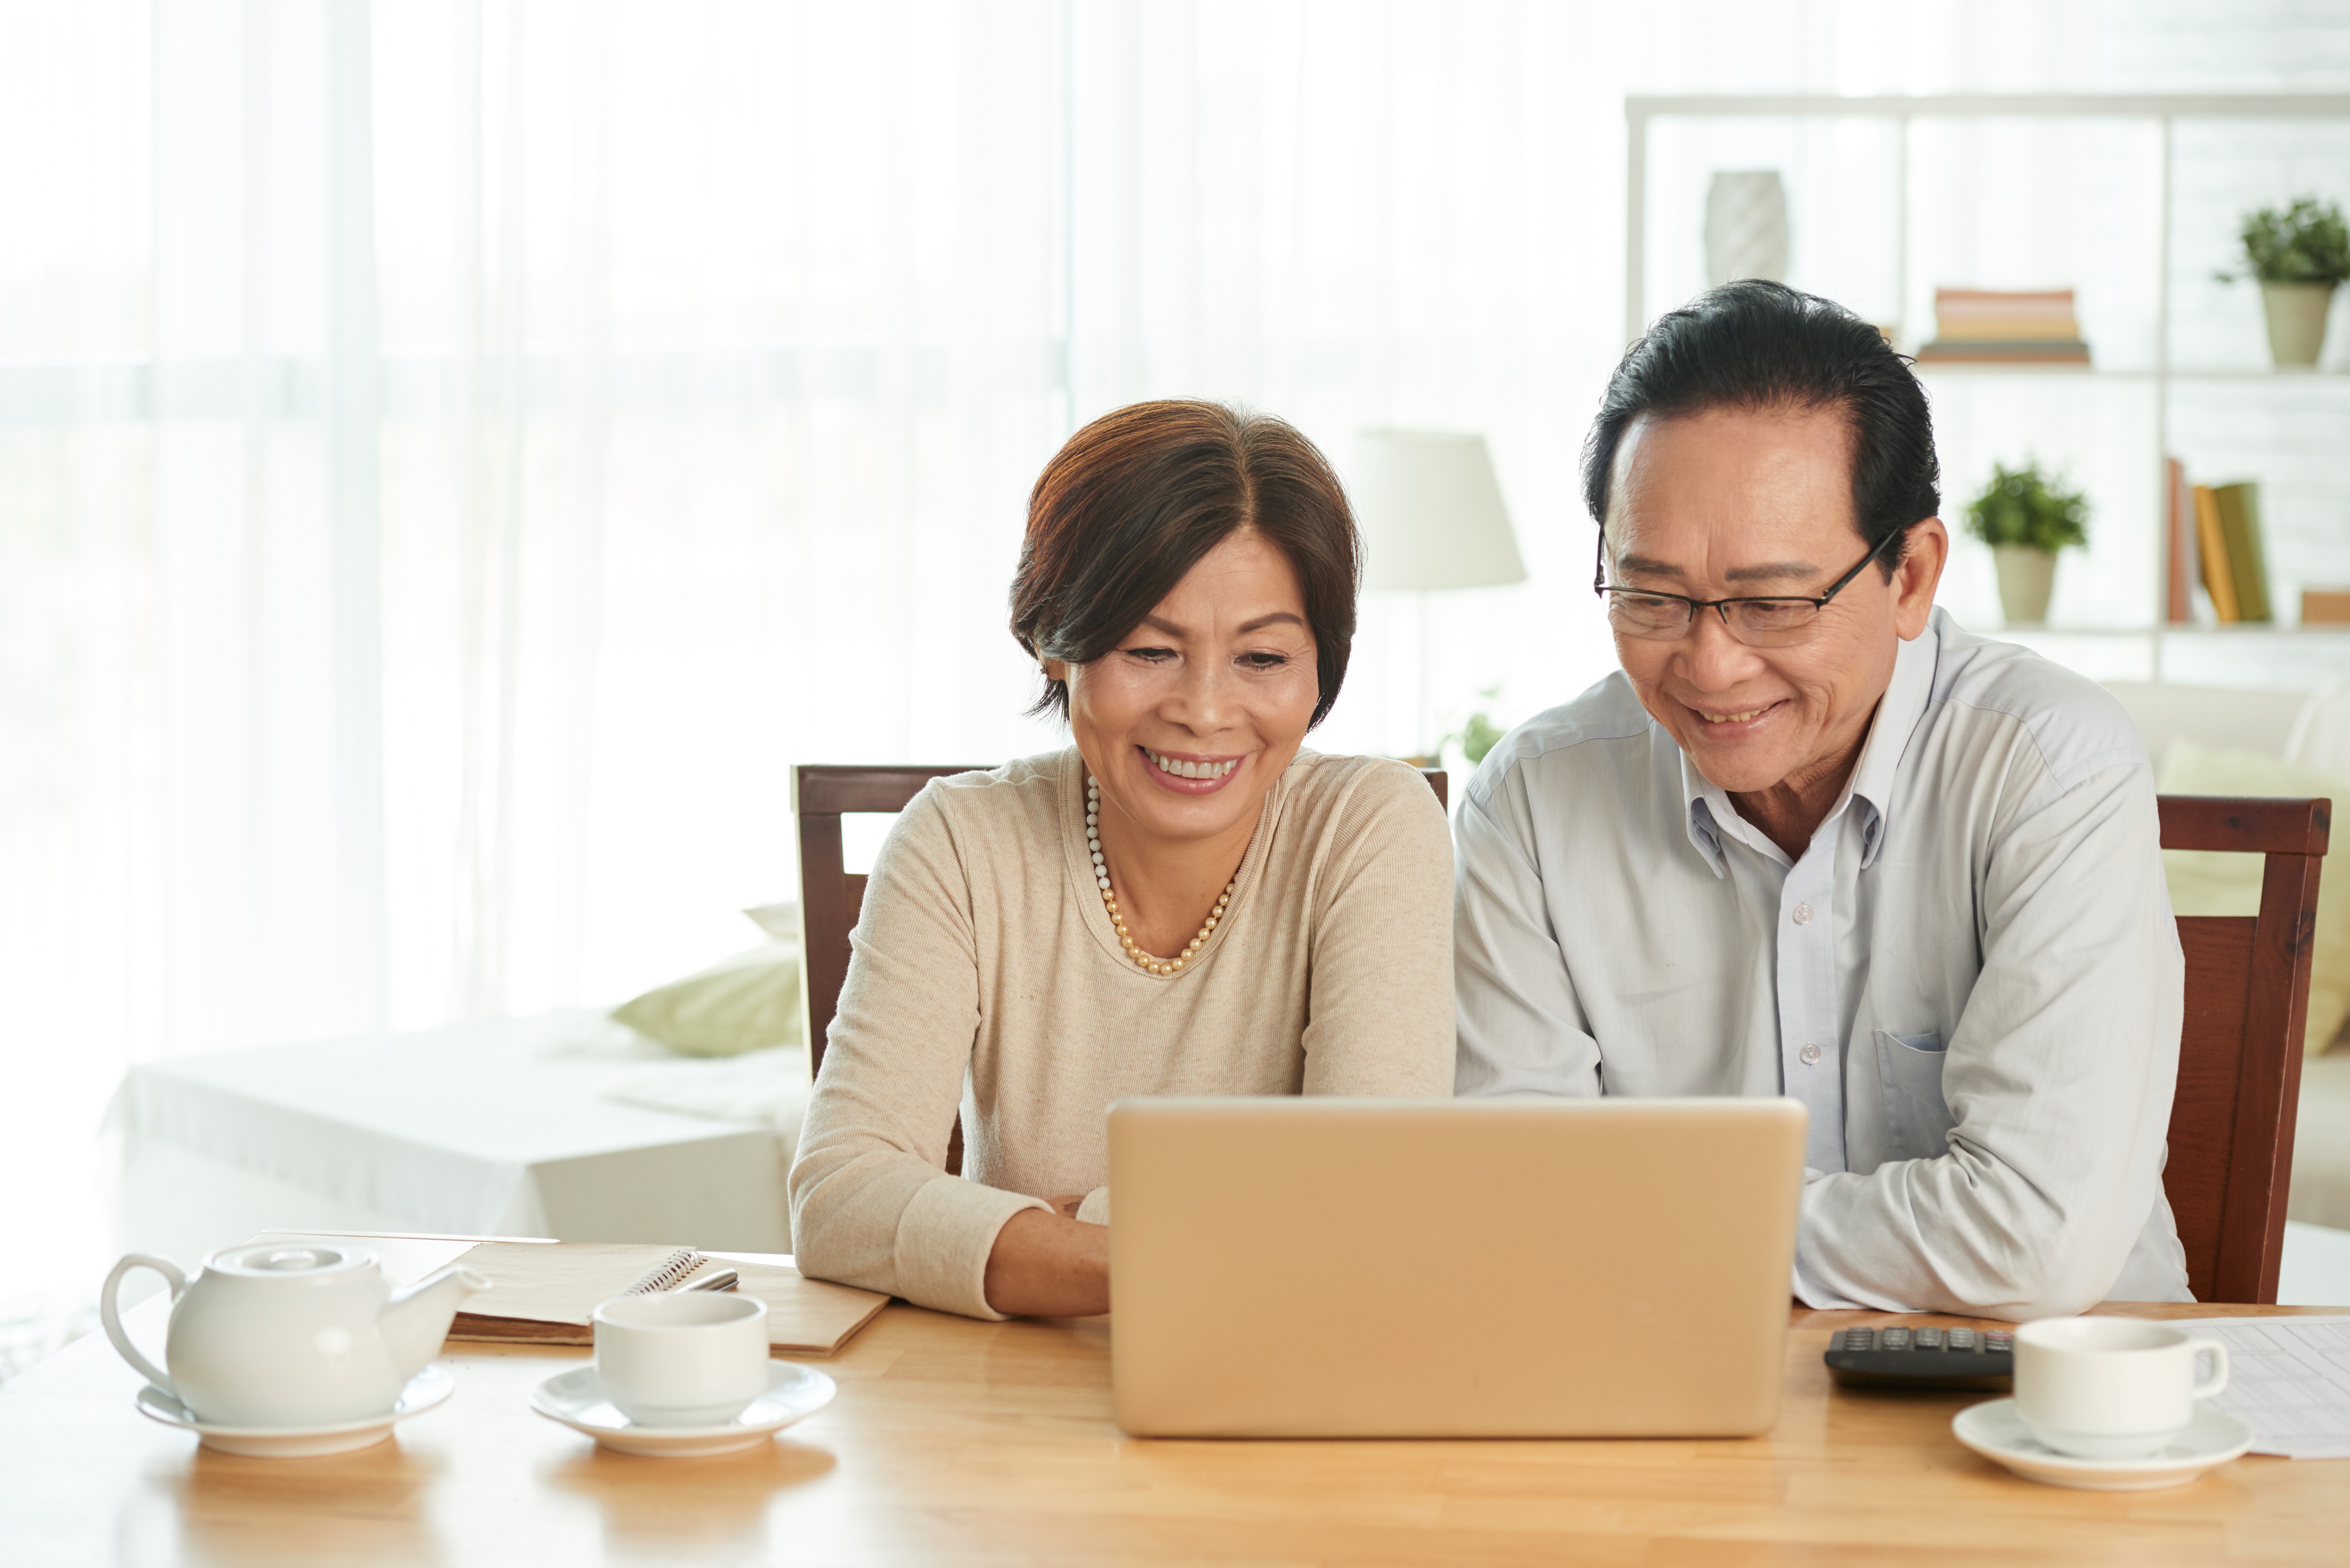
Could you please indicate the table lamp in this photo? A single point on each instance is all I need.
(1432, 515)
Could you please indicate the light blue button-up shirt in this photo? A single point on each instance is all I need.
(1970, 977)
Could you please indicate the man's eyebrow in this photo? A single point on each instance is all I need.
(1769, 572)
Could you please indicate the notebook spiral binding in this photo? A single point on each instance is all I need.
(675, 1267)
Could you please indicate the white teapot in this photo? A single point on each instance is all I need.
(285, 1334)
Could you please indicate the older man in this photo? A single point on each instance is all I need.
(1813, 839)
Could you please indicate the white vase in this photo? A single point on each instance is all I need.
(1745, 226)
(2026, 578)
(2297, 313)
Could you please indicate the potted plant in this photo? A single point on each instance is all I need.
(2298, 252)
(2026, 518)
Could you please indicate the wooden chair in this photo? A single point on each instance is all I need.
(831, 897)
(2239, 1055)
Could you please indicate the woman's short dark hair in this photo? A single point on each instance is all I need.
(1758, 345)
(1133, 501)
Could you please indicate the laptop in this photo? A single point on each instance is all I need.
(1517, 1268)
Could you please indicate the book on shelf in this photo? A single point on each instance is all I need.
(2325, 606)
(2219, 579)
(1984, 325)
(2184, 560)
(2238, 507)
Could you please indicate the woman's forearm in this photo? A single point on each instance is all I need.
(1046, 1265)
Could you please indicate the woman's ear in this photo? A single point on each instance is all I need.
(1056, 670)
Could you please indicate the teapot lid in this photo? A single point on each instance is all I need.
(289, 1260)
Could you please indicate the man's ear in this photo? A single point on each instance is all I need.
(1920, 571)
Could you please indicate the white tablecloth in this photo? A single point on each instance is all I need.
(473, 1130)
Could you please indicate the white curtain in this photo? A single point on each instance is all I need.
(456, 455)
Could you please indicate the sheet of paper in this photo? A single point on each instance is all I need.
(2288, 1379)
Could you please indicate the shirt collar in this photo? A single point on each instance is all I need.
(1710, 813)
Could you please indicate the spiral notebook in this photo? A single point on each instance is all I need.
(547, 1293)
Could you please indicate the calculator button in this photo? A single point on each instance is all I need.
(1894, 1339)
(1996, 1341)
(1858, 1338)
(1964, 1339)
(1929, 1339)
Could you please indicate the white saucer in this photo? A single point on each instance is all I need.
(424, 1390)
(576, 1399)
(1996, 1432)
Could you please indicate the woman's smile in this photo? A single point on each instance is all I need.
(1190, 773)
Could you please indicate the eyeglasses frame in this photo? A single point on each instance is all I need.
(1600, 586)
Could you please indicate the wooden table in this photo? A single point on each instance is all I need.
(960, 1442)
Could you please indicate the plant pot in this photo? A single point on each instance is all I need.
(2025, 577)
(2297, 313)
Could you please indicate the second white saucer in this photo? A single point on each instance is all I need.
(1997, 1432)
(576, 1399)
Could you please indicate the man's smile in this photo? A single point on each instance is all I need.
(1734, 718)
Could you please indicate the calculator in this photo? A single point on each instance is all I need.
(1923, 1358)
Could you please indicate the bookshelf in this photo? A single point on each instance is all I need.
(2259, 655)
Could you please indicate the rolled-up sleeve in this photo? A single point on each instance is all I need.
(2058, 1080)
(872, 1204)
(1522, 1030)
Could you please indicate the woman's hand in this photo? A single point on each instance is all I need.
(1069, 1206)
(1049, 1265)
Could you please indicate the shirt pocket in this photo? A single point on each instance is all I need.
(1917, 1119)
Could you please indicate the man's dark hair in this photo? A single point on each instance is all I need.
(1756, 345)
(1137, 497)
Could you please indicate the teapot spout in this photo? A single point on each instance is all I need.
(415, 1321)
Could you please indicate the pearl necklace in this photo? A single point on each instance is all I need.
(1109, 900)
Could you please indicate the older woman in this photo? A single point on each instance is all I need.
(1182, 902)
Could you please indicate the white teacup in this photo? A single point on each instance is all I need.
(692, 1359)
(2110, 1387)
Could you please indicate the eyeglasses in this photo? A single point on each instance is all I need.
(1776, 621)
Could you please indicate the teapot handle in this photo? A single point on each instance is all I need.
(108, 1314)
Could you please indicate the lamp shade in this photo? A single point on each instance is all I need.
(1430, 512)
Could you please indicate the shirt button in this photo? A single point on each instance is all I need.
(1811, 1056)
(1802, 914)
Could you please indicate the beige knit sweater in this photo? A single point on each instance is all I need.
(986, 977)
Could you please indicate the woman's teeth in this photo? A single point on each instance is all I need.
(1733, 718)
(1183, 770)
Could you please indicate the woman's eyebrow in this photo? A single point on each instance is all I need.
(1158, 623)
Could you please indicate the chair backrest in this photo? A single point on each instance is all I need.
(2240, 1054)
(831, 897)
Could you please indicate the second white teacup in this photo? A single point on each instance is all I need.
(2110, 1387)
(693, 1358)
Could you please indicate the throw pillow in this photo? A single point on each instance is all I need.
(2211, 882)
(747, 1002)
